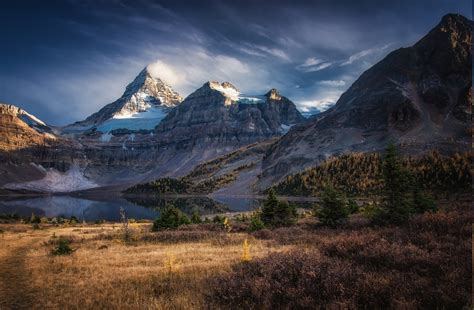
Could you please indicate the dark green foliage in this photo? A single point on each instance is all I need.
(269, 206)
(422, 202)
(171, 217)
(277, 213)
(62, 248)
(352, 206)
(196, 218)
(334, 209)
(161, 186)
(397, 202)
(361, 174)
(402, 194)
(35, 219)
(256, 222)
(183, 185)
(217, 219)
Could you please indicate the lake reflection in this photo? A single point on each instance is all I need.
(136, 207)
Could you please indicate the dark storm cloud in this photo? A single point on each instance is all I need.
(63, 60)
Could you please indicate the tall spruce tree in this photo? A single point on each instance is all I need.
(334, 208)
(277, 213)
(269, 207)
(397, 202)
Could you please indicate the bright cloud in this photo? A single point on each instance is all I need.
(311, 62)
(161, 70)
(263, 51)
(317, 67)
(187, 69)
(363, 54)
(332, 83)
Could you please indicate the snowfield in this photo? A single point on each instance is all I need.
(146, 120)
(57, 182)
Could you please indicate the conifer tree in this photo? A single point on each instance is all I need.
(334, 209)
(397, 202)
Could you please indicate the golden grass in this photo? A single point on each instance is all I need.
(138, 275)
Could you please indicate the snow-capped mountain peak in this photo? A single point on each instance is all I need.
(145, 102)
(226, 88)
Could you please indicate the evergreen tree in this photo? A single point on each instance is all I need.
(196, 218)
(277, 213)
(256, 222)
(422, 202)
(397, 202)
(269, 206)
(284, 214)
(171, 217)
(334, 208)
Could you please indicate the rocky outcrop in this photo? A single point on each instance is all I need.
(19, 129)
(419, 97)
(217, 112)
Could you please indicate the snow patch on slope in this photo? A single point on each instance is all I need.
(57, 182)
(251, 99)
(135, 121)
(285, 128)
(228, 91)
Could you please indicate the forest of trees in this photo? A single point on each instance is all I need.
(183, 185)
(361, 174)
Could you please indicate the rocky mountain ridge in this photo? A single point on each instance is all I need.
(418, 97)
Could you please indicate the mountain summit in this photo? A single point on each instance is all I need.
(146, 101)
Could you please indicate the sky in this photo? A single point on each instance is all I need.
(63, 60)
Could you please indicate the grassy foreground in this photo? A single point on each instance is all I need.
(423, 264)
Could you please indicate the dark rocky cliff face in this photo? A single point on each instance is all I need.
(419, 97)
(216, 113)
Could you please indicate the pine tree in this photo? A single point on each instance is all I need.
(196, 218)
(269, 207)
(334, 209)
(277, 213)
(397, 203)
(171, 217)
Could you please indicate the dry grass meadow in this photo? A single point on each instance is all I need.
(423, 264)
(105, 272)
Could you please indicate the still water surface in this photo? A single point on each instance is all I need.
(139, 207)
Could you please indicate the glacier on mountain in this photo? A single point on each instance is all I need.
(146, 120)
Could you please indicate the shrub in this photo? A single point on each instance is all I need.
(171, 217)
(73, 220)
(217, 219)
(333, 210)
(196, 218)
(35, 219)
(255, 222)
(352, 206)
(422, 202)
(62, 248)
